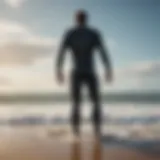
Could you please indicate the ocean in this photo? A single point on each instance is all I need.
(128, 119)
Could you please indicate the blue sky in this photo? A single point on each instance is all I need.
(31, 30)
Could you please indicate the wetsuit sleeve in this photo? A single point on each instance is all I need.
(63, 46)
(103, 51)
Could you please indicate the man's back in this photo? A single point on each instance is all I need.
(82, 41)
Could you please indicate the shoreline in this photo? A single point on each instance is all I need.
(30, 143)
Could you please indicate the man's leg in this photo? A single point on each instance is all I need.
(92, 83)
(76, 99)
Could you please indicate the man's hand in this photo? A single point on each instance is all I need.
(109, 77)
(60, 77)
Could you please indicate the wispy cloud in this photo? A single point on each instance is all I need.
(19, 45)
(15, 3)
(41, 77)
(143, 75)
(36, 78)
(144, 69)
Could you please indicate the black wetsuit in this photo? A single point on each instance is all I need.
(82, 41)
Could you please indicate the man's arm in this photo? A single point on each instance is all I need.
(60, 59)
(105, 57)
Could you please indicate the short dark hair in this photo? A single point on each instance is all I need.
(81, 16)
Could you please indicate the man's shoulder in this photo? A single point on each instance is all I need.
(90, 30)
(94, 31)
(69, 31)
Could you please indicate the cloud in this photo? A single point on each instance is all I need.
(4, 81)
(15, 3)
(38, 78)
(144, 75)
(41, 77)
(20, 46)
(144, 69)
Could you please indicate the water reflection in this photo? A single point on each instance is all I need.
(76, 151)
(97, 151)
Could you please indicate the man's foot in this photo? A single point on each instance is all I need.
(76, 130)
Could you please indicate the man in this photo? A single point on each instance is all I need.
(82, 41)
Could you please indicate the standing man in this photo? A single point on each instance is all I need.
(82, 42)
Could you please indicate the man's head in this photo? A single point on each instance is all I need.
(81, 17)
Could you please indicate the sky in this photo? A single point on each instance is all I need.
(30, 33)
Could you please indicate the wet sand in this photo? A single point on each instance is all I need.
(36, 143)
